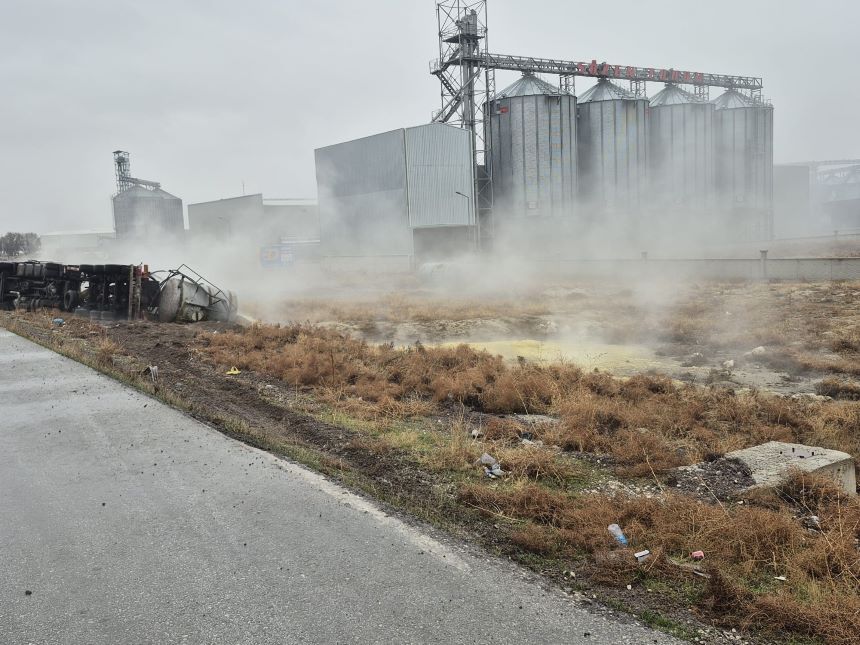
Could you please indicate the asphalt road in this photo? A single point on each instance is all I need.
(129, 522)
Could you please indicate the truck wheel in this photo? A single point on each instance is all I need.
(70, 300)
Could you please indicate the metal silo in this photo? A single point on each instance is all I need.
(531, 142)
(613, 148)
(143, 212)
(681, 151)
(744, 163)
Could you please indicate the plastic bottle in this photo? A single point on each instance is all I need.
(618, 534)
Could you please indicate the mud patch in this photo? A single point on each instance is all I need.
(721, 479)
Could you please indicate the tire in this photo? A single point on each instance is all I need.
(70, 300)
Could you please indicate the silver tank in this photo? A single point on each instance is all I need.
(612, 133)
(681, 154)
(744, 164)
(183, 300)
(530, 130)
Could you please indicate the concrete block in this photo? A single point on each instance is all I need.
(770, 462)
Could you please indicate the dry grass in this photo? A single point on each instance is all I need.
(648, 423)
(106, 349)
(839, 389)
(306, 356)
(417, 307)
(745, 546)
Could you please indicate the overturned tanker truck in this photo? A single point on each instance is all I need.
(115, 292)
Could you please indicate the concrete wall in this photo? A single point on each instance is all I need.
(802, 269)
(799, 270)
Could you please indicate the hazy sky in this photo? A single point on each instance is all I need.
(208, 94)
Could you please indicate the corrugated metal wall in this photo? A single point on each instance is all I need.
(682, 156)
(439, 173)
(744, 147)
(374, 191)
(361, 188)
(139, 212)
(532, 144)
(225, 218)
(613, 153)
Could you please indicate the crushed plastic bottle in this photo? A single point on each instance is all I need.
(618, 534)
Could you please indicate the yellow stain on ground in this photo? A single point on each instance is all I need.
(588, 355)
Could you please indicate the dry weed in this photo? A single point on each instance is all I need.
(745, 546)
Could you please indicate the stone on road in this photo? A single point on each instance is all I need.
(130, 522)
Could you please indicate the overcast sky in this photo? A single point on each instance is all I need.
(208, 94)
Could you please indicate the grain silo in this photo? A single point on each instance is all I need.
(139, 212)
(612, 135)
(140, 207)
(744, 164)
(531, 144)
(681, 152)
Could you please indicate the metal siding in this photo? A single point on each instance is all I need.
(681, 148)
(363, 197)
(532, 147)
(226, 217)
(613, 152)
(744, 166)
(139, 212)
(516, 199)
(530, 153)
(554, 175)
(438, 165)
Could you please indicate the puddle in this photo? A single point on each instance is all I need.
(618, 359)
(627, 360)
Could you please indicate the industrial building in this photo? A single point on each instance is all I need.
(744, 158)
(837, 189)
(681, 152)
(816, 197)
(141, 209)
(255, 218)
(610, 158)
(74, 245)
(531, 127)
(613, 155)
(536, 169)
(281, 231)
(397, 196)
